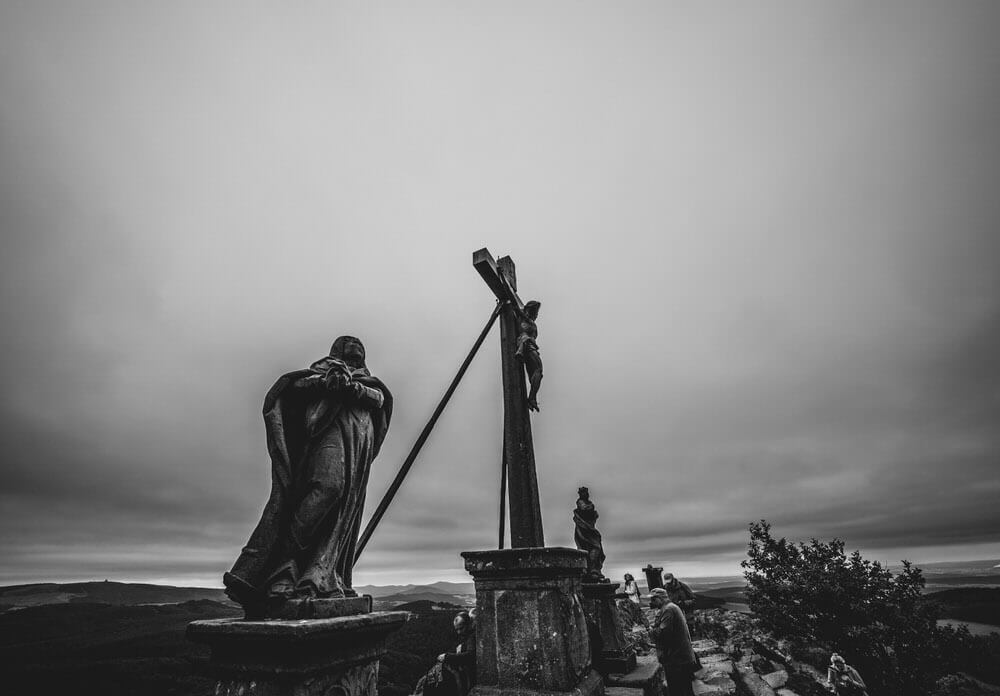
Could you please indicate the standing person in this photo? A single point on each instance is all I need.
(844, 679)
(631, 589)
(673, 644)
(680, 594)
(634, 607)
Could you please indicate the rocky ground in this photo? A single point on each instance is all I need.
(737, 657)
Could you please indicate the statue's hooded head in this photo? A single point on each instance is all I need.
(583, 492)
(349, 349)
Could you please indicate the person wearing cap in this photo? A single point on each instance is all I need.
(844, 679)
(680, 594)
(673, 643)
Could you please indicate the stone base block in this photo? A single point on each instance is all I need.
(647, 675)
(611, 654)
(305, 657)
(319, 608)
(590, 685)
(531, 631)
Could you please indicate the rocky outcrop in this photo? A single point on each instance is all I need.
(761, 665)
(736, 655)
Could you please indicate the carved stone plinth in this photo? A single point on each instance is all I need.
(304, 657)
(611, 654)
(531, 631)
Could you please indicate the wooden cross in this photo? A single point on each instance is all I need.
(518, 449)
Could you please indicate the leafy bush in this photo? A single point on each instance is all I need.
(814, 592)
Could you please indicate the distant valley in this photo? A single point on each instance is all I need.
(15, 597)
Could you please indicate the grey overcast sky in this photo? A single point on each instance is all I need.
(765, 236)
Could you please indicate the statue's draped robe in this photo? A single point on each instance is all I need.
(587, 537)
(309, 529)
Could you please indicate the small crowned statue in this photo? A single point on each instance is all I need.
(587, 537)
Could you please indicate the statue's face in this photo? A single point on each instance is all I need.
(349, 349)
(460, 625)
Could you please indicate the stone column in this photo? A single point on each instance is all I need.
(654, 576)
(298, 657)
(531, 631)
(611, 655)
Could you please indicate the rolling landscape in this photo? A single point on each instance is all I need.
(116, 638)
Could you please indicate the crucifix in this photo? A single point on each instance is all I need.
(518, 450)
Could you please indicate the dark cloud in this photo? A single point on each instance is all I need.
(764, 240)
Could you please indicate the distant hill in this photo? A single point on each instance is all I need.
(120, 593)
(425, 596)
(732, 593)
(109, 650)
(445, 588)
(977, 604)
(378, 591)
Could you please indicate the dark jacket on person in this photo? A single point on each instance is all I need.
(673, 642)
(681, 595)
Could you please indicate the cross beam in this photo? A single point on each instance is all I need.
(518, 449)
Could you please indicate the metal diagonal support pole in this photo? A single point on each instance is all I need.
(415, 450)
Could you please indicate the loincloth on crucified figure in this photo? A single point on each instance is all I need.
(527, 349)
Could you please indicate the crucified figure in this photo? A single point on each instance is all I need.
(527, 349)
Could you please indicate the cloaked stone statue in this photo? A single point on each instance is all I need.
(325, 425)
(587, 537)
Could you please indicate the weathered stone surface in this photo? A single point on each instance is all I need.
(704, 647)
(621, 691)
(786, 692)
(716, 687)
(360, 680)
(531, 630)
(526, 563)
(611, 653)
(753, 683)
(772, 649)
(714, 657)
(319, 608)
(293, 652)
(646, 676)
(711, 670)
(776, 679)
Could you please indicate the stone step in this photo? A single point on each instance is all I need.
(621, 691)
(647, 677)
(753, 684)
(719, 687)
(711, 670)
(705, 647)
